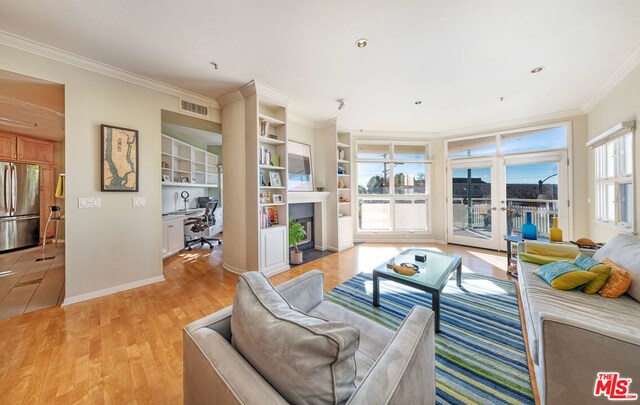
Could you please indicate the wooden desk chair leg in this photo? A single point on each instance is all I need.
(57, 228)
(44, 237)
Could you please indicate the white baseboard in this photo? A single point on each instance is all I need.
(111, 290)
(402, 241)
(232, 269)
(277, 271)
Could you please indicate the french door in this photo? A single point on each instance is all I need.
(472, 203)
(489, 198)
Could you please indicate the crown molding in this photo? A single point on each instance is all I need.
(270, 94)
(332, 122)
(81, 62)
(248, 89)
(229, 97)
(253, 87)
(628, 63)
(341, 125)
(299, 120)
(501, 125)
(394, 134)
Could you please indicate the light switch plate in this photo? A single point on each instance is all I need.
(89, 202)
(139, 201)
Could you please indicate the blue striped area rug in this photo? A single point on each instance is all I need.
(480, 353)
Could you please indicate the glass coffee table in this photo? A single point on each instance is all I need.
(433, 275)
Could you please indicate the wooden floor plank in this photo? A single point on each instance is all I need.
(127, 347)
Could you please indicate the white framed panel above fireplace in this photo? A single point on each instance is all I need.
(320, 200)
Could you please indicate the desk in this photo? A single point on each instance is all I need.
(173, 232)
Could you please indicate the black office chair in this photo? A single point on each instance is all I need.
(201, 224)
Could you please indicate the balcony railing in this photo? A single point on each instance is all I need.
(479, 217)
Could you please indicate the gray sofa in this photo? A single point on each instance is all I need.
(572, 336)
(392, 368)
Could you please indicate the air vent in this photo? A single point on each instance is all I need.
(194, 108)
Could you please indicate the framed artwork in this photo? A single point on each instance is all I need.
(119, 152)
(184, 179)
(165, 177)
(265, 197)
(273, 216)
(277, 198)
(274, 179)
(300, 172)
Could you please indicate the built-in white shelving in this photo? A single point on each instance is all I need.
(186, 165)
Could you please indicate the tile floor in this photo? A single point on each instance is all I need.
(26, 284)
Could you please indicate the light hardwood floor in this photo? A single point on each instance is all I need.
(127, 347)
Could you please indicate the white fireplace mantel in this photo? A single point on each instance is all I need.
(320, 200)
(299, 197)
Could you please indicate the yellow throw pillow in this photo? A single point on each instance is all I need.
(618, 282)
(602, 272)
(538, 259)
(551, 249)
(574, 279)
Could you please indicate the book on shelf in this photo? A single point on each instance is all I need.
(268, 216)
(264, 128)
(267, 158)
(264, 157)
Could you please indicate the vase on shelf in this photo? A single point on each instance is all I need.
(555, 233)
(529, 229)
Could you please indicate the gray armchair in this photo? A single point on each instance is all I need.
(392, 368)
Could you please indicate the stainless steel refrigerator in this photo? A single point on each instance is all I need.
(19, 205)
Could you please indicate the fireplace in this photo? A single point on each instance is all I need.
(303, 213)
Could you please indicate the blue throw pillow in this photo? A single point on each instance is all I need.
(585, 262)
(550, 271)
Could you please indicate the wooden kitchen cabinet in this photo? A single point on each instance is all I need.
(7, 147)
(47, 199)
(35, 151)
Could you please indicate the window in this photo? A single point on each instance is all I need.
(540, 139)
(614, 181)
(393, 186)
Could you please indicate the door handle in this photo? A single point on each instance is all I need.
(503, 209)
(493, 208)
(6, 206)
(13, 188)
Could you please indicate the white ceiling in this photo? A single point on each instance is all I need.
(458, 57)
(30, 106)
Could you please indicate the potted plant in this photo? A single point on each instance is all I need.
(296, 235)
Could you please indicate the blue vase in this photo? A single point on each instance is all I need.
(529, 229)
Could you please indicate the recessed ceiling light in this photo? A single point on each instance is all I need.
(537, 70)
(215, 65)
(418, 102)
(361, 43)
(501, 98)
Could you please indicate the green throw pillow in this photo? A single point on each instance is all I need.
(539, 259)
(572, 280)
(602, 272)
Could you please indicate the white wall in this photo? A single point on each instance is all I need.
(622, 103)
(172, 201)
(303, 134)
(116, 244)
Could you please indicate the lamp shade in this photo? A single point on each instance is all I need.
(60, 186)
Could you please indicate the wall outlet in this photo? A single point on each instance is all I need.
(89, 202)
(139, 201)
